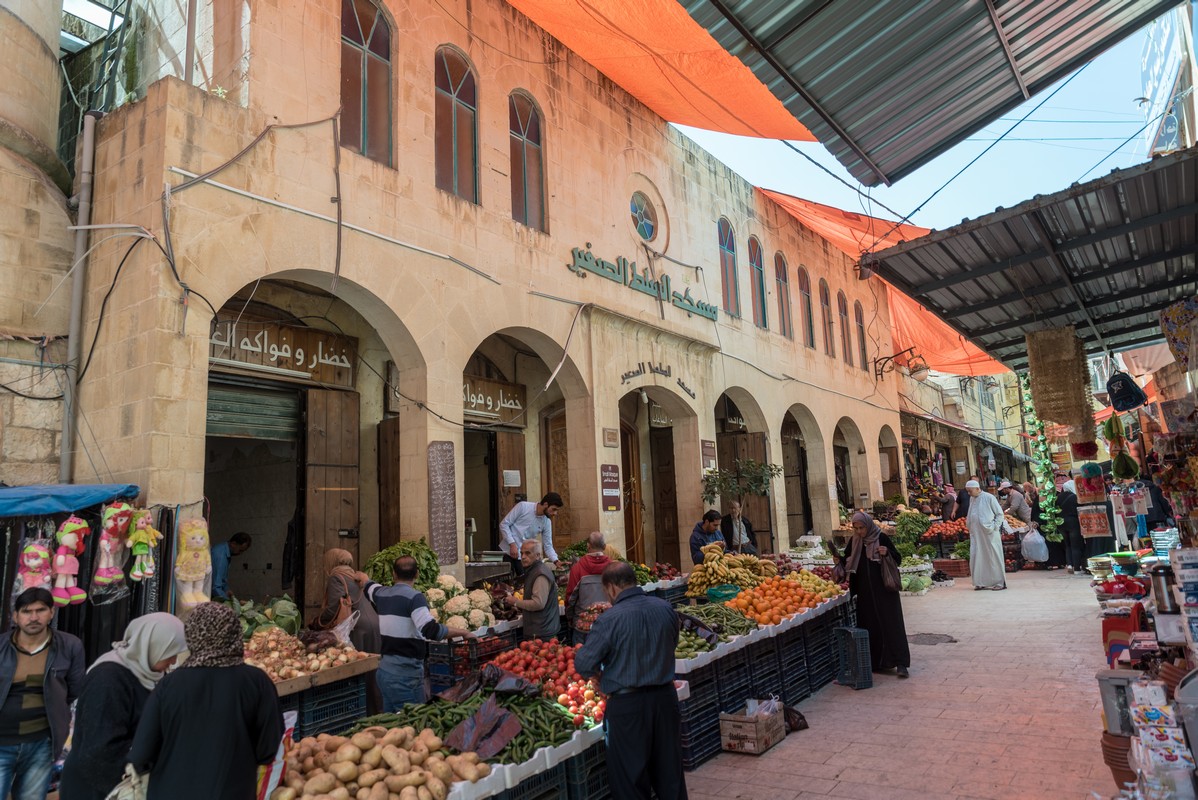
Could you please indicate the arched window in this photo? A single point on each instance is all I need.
(728, 268)
(825, 310)
(806, 309)
(528, 171)
(846, 336)
(860, 315)
(456, 125)
(365, 80)
(782, 287)
(757, 283)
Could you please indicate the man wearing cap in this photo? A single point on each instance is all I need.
(1014, 503)
(985, 539)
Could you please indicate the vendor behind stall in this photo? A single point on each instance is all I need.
(539, 606)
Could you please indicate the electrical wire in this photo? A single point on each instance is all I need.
(1142, 128)
(6, 387)
(104, 306)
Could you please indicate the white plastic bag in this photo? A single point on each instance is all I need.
(343, 630)
(1034, 547)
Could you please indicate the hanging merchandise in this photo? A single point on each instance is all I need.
(1123, 466)
(193, 567)
(108, 580)
(1091, 488)
(70, 536)
(1125, 394)
(143, 538)
(1094, 522)
(1179, 322)
(1061, 385)
(34, 570)
(1042, 467)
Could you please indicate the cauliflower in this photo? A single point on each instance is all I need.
(449, 583)
(435, 597)
(436, 612)
(458, 605)
(457, 622)
(490, 618)
(477, 619)
(480, 599)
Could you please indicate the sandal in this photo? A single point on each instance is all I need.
(998, 588)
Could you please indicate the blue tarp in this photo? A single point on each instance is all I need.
(32, 501)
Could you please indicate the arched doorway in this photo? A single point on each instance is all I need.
(891, 460)
(741, 434)
(803, 474)
(849, 466)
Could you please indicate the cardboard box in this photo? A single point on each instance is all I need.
(740, 733)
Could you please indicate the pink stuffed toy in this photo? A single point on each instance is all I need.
(110, 568)
(34, 572)
(70, 535)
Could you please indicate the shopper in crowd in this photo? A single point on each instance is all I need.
(212, 722)
(342, 584)
(111, 701)
(584, 586)
(631, 651)
(879, 610)
(406, 625)
(948, 503)
(528, 520)
(705, 532)
(1071, 529)
(222, 557)
(593, 562)
(985, 539)
(539, 606)
(1056, 550)
(41, 672)
(1160, 512)
(961, 510)
(738, 531)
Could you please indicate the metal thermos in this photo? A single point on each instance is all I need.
(1162, 589)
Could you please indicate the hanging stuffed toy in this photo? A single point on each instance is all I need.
(194, 563)
(144, 538)
(111, 561)
(34, 572)
(70, 536)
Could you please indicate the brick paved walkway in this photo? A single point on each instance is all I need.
(1010, 711)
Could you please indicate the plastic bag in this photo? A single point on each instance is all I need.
(1034, 547)
(794, 719)
(343, 629)
(271, 775)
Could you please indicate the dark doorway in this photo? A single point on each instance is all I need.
(665, 495)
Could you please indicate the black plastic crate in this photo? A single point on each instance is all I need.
(463, 657)
(700, 748)
(795, 693)
(672, 595)
(547, 785)
(763, 655)
(732, 669)
(439, 683)
(586, 774)
(733, 694)
(854, 667)
(699, 716)
(331, 709)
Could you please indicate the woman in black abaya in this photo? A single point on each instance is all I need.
(879, 610)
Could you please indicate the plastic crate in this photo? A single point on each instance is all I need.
(767, 683)
(734, 680)
(586, 774)
(331, 709)
(763, 655)
(462, 658)
(549, 784)
(701, 747)
(673, 595)
(854, 667)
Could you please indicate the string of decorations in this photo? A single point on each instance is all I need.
(1050, 512)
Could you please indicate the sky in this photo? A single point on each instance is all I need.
(1061, 143)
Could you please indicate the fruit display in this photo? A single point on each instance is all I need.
(789, 562)
(664, 572)
(721, 619)
(827, 573)
(1014, 522)
(376, 764)
(451, 604)
(379, 565)
(777, 598)
(283, 656)
(586, 618)
(961, 550)
(719, 568)
(582, 700)
(279, 612)
(690, 644)
(550, 664)
(948, 530)
(915, 561)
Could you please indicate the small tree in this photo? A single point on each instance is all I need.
(751, 477)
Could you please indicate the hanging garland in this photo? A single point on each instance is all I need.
(1049, 511)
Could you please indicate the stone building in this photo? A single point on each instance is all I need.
(492, 275)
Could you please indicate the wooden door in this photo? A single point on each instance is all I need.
(557, 479)
(732, 447)
(509, 455)
(844, 477)
(893, 484)
(389, 487)
(331, 485)
(630, 469)
(794, 476)
(665, 495)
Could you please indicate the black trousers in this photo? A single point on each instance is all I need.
(644, 745)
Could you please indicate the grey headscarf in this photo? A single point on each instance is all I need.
(867, 544)
(148, 640)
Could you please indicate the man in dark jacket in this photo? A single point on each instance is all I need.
(707, 531)
(41, 671)
(738, 531)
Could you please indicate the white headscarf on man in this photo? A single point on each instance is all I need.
(148, 640)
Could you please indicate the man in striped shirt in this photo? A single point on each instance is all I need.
(406, 625)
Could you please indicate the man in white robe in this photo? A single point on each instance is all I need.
(985, 539)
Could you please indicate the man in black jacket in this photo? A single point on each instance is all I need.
(738, 531)
(41, 671)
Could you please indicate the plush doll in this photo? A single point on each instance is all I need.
(144, 538)
(194, 563)
(34, 572)
(110, 565)
(70, 535)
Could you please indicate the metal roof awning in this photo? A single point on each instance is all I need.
(1105, 256)
(889, 86)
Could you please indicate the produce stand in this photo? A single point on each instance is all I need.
(328, 701)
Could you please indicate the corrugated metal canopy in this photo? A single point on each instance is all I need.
(1106, 256)
(888, 86)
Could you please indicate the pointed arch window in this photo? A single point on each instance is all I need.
(806, 309)
(528, 170)
(757, 283)
(456, 125)
(782, 287)
(728, 268)
(365, 80)
(846, 335)
(825, 310)
(859, 314)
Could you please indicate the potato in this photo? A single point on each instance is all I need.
(368, 779)
(308, 764)
(423, 793)
(345, 771)
(323, 760)
(363, 741)
(436, 787)
(333, 742)
(340, 793)
(398, 760)
(483, 769)
(352, 787)
(379, 792)
(440, 769)
(377, 731)
(470, 757)
(283, 793)
(321, 784)
(396, 736)
(462, 768)
(348, 752)
(409, 793)
(431, 740)
(322, 738)
(397, 783)
(363, 794)
(372, 757)
(418, 754)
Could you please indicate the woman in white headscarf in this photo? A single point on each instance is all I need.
(1071, 529)
(111, 701)
(985, 539)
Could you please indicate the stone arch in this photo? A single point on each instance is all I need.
(743, 432)
(805, 474)
(850, 468)
(891, 462)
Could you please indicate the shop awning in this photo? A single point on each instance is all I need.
(885, 86)
(32, 501)
(1106, 256)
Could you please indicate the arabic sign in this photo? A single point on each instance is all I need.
(609, 480)
(292, 352)
(491, 401)
(625, 273)
(442, 502)
(707, 448)
(655, 369)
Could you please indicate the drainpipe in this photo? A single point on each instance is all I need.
(189, 51)
(87, 161)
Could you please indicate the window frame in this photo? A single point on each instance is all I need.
(807, 311)
(757, 283)
(362, 146)
(859, 314)
(729, 284)
(521, 138)
(825, 310)
(846, 334)
(782, 285)
(456, 105)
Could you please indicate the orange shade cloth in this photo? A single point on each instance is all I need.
(662, 57)
(851, 233)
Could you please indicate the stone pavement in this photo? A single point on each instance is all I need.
(1009, 711)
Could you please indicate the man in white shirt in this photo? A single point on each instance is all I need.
(529, 520)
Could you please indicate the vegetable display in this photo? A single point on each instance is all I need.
(279, 612)
(664, 572)
(916, 583)
(452, 604)
(586, 618)
(690, 644)
(376, 764)
(378, 566)
(583, 701)
(948, 530)
(778, 598)
(721, 619)
(500, 609)
(910, 526)
(719, 568)
(550, 664)
(283, 656)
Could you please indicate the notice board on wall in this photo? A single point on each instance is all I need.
(442, 502)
